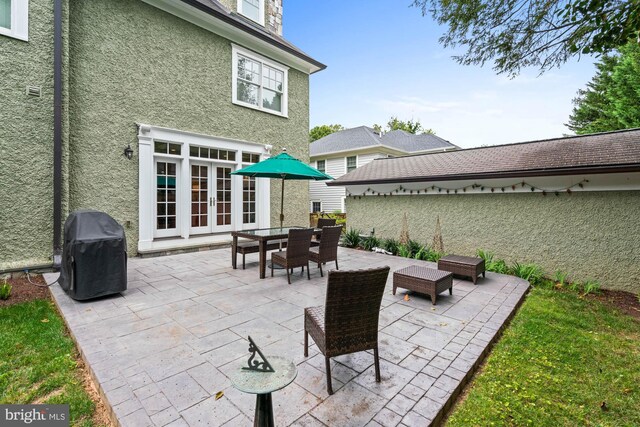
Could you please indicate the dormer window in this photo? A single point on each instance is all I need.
(252, 9)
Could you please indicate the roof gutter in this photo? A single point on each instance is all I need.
(57, 132)
(591, 170)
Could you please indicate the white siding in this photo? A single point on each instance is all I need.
(332, 197)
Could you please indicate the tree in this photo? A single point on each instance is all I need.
(323, 130)
(540, 33)
(611, 100)
(410, 126)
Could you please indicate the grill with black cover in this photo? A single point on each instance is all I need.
(94, 256)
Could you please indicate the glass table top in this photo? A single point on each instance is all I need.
(266, 232)
(257, 382)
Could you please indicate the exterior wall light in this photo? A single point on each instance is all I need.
(128, 152)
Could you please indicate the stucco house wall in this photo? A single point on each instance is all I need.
(26, 134)
(141, 65)
(591, 235)
(146, 66)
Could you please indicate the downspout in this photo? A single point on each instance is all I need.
(57, 132)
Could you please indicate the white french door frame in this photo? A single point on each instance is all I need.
(147, 136)
(168, 232)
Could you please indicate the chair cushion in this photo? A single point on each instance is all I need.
(314, 252)
(279, 257)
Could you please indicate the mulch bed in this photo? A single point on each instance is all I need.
(626, 302)
(23, 291)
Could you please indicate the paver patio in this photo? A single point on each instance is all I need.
(163, 349)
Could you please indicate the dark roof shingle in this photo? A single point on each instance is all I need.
(602, 152)
(364, 136)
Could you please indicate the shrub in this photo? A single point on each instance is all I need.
(404, 251)
(560, 277)
(390, 245)
(591, 287)
(370, 242)
(423, 253)
(497, 266)
(530, 272)
(434, 256)
(5, 291)
(413, 247)
(351, 238)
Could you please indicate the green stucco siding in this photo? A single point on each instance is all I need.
(591, 235)
(132, 63)
(26, 143)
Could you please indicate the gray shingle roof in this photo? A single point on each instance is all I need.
(596, 153)
(364, 136)
(218, 10)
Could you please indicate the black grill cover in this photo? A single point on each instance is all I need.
(94, 256)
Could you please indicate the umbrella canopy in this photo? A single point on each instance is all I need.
(285, 167)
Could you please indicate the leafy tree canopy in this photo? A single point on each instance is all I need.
(322, 131)
(540, 33)
(611, 100)
(410, 126)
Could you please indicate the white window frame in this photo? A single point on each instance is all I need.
(260, 12)
(318, 164)
(346, 163)
(316, 201)
(263, 61)
(19, 21)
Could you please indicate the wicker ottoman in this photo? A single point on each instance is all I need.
(462, 266)
(422, 279)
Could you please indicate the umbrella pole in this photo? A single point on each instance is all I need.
(282, 205)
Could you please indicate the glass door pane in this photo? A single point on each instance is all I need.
(199, 196)
(166, 198)
(223, 196)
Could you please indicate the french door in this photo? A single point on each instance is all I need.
(210, 210)
(167, 200)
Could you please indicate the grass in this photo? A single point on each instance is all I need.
(563, 361)
(38, 361)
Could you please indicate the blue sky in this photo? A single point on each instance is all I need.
(384, 59)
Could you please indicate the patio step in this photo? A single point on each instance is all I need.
(182, 250)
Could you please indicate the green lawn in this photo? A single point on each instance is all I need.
(38, 360)
(558, 361)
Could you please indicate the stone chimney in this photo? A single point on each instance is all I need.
(273, 22)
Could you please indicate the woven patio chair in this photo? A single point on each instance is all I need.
(322, 222)
(348, 322)
(297, 253)
(328, 248)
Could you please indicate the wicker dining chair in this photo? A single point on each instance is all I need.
(348, 322)
(328, 248)
(297, 253)
(322, 222)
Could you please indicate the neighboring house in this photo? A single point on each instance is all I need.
(344, 151)
(191, 89)
(570, 204)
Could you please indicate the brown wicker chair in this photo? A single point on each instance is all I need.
(328, 248)
(297, 253)
(349, 320)
(322, 222)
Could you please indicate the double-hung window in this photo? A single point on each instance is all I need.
(352, 163)
(252, 9)
(14, 18)
(321, 165)
(259, 83)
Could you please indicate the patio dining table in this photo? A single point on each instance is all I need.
(262, 236)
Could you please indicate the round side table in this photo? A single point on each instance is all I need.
(262, 384)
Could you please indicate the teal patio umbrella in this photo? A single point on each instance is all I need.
(284, 167)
